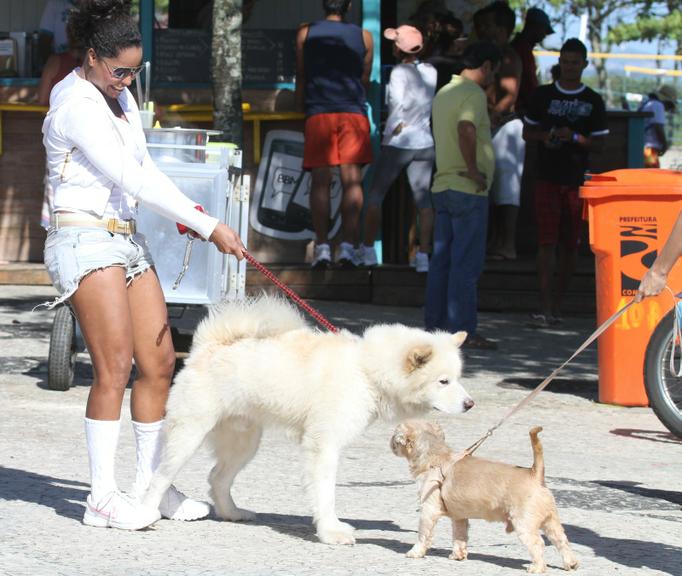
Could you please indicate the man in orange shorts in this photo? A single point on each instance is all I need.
(333, 60)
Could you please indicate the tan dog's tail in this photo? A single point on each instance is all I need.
(538, 468)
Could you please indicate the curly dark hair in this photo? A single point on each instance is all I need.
(106, 26)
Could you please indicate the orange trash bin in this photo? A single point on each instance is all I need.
(630, 215)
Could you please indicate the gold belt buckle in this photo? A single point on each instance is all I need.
(120, 226)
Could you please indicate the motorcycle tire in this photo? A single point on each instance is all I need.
(663, 388)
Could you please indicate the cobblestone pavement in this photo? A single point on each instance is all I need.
(616, 472)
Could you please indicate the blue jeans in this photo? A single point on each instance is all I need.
(457, 261)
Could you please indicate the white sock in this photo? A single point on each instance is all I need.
(102, 440)
(148, 443)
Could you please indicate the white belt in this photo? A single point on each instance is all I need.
(113, 225)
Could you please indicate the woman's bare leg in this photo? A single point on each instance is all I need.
(152, 348)
(101, 306)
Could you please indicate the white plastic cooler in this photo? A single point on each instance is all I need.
(215, 180)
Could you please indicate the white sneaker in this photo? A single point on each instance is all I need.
(369, 256)
(176, 506)
(347, 255)
(421, 262)
(116, 510)
(359, 255)
(322, 257)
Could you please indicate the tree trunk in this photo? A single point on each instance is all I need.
(595, 34)
(227, 70)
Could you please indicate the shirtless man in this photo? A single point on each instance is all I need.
(496, 23)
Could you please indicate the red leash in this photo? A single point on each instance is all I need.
(182, 229)
(290, 293)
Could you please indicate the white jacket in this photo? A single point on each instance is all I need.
(87, 157)
(409, 95)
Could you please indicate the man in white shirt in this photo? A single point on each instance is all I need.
(655, 140)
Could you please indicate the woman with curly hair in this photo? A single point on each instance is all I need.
(100, 169)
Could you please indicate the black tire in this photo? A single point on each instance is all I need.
(61, 360)
(663, 388)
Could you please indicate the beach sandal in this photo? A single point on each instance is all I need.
(543, 321)
(478, 342)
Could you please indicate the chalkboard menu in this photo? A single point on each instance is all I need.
(268, 56)
(184, 56)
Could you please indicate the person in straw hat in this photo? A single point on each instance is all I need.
(658, 103)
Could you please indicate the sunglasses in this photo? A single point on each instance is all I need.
(123, 72)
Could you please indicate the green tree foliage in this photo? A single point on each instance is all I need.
(663, 25)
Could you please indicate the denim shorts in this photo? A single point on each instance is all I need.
(73, 252)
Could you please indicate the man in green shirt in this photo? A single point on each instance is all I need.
(464, 171)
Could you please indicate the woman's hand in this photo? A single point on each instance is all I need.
(227, 241)
(651, 285)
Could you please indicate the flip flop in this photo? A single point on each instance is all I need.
(477, 342)
(499, 257)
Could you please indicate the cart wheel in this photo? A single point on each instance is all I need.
(663, 388)
(62, 356)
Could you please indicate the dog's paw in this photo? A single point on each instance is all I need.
(459, 550)
(417, 551)
(571, 564)
(458, 555)
(537, 568)
(236, 515)
(336, 533)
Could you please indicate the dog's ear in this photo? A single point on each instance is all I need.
(400, 443)
(418, 356)
(459, 337)
(400, 438)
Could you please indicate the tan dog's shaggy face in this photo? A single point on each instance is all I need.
(464, 487)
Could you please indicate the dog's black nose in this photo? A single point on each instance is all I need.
(468, 404)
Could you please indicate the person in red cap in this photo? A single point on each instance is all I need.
(407, 142)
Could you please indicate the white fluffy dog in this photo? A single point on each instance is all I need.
(257, 363)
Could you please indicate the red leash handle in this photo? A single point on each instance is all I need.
(182, 229)
(290, 293)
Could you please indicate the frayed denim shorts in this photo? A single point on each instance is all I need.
(73, 252)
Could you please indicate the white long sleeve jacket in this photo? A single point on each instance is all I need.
(87, 157)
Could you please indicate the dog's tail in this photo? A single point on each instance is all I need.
(538, 468)
(259, 317)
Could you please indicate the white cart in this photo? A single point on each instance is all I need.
(211, 175)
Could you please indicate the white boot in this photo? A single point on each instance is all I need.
(106, 506)
(174, 504)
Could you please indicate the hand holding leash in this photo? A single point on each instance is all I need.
(652, 284)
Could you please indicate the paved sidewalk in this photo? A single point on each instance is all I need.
(615, 472)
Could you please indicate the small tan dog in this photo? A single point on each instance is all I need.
(463, 487)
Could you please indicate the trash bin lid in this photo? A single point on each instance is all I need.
(635, 181)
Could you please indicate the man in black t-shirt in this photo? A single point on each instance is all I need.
(567, 120)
